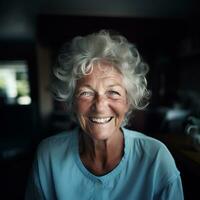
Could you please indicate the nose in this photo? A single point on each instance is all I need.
(100, 103)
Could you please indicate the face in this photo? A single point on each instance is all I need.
(101, 102)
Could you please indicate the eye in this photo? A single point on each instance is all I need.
(114, 93)
(86, 94)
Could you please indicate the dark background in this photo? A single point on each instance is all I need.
(167, 34)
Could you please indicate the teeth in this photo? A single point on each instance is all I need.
(100, 120)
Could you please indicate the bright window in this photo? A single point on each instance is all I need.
(14, 83)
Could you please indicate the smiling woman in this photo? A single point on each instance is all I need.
(101, 50)
(102, 79)
(101, 102)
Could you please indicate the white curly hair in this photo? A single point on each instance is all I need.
(78, 57)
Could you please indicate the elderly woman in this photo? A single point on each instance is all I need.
(102, 79)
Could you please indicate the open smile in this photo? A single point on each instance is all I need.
(100, 120)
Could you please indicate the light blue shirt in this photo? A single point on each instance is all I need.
(147, 171)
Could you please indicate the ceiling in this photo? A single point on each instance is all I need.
(18, 17)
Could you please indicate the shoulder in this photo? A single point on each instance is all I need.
(142, 141)
(149, 148)
(56, 144)
(153, 154)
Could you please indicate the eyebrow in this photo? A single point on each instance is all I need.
(109, 86)
(86, 86)
(114, 85)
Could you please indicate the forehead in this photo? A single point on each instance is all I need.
(102, 72)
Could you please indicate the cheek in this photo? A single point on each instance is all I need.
(82, 121)
(82, 106)
(80, 109)
(120, 110)
(120, 107)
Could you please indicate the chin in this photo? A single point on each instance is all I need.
(101, 131)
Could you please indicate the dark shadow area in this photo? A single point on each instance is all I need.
(19, 121)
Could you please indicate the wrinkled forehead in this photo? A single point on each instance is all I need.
(104, 67)
(101, 71)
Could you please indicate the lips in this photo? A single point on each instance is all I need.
(100, 120)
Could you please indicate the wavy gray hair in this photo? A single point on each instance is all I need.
(77, 58)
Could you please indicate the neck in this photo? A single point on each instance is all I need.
(100, 157)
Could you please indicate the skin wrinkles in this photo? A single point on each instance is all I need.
(101, 104)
